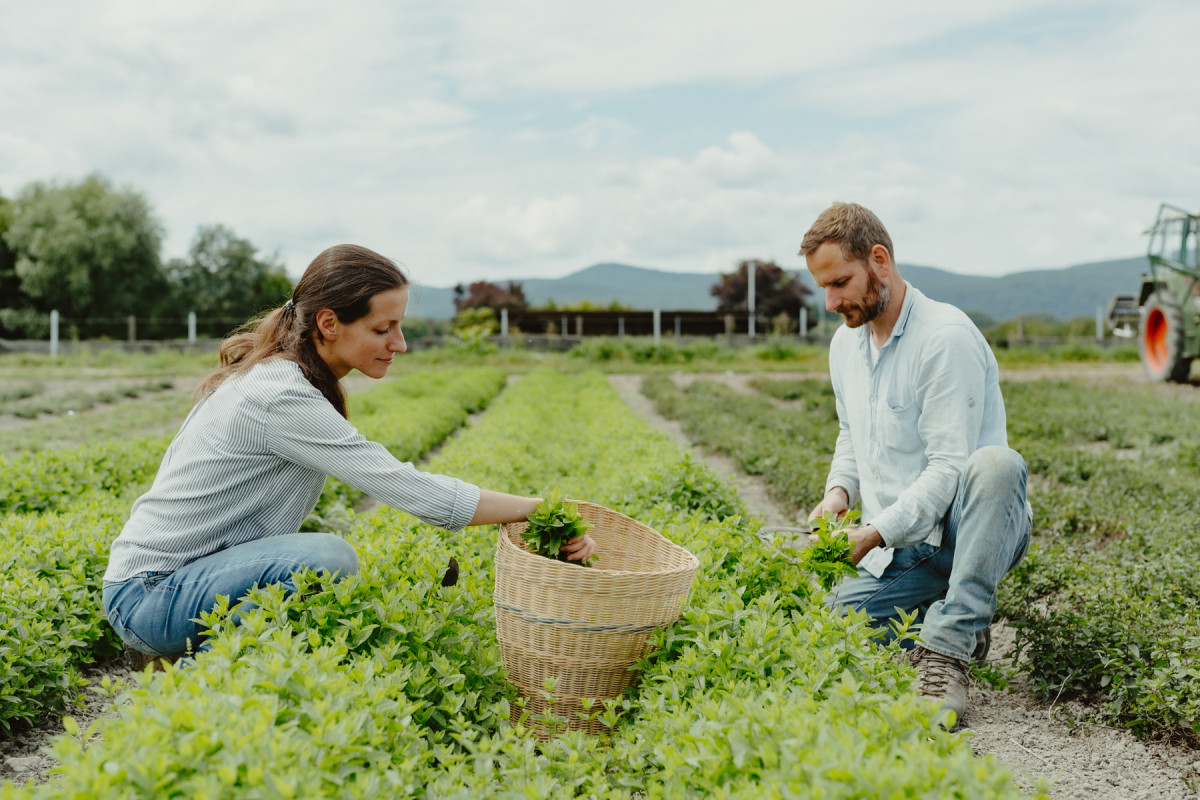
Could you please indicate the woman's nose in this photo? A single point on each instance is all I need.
(399, 345)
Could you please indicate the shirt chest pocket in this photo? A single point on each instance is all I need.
(898, 426)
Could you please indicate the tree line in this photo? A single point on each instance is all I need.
(93, 252)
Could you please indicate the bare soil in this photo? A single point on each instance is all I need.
(1054, 746)
(25, 758)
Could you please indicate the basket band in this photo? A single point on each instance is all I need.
(575, 625)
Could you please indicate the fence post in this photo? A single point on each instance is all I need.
(53, 334)
(504, 323)
(657, 326)
(621, 327)
(563, 327)
(678, 327)
(803, 322)
(751, 274)
(131, 322)
(191, 328)
(579, 326)
(1100, 324)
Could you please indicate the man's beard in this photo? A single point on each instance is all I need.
(878, 295)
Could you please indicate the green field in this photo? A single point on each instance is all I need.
(380, 685)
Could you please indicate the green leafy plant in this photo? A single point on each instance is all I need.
(829, 557)
(553, 524)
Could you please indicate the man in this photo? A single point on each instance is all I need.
(922, 442)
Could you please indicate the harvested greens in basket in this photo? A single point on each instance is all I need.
(552, 524)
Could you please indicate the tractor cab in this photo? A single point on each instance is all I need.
(1167, 308)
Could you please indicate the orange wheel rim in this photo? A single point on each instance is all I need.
(1155, 340)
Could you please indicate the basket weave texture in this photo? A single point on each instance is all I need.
(585, 627)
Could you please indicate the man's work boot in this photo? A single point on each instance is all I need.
(941, 678)
(138, 661)
(983, 643)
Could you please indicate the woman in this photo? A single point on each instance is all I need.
(249, 462)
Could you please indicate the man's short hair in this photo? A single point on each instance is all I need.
(855, 228)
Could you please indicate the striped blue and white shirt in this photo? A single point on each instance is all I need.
(250, 461)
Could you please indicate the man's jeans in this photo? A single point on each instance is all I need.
(156, 612)
(953, 586)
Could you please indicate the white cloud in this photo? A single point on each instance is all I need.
(541, 227)
(535, 138)
(746, 163)
(542, 45)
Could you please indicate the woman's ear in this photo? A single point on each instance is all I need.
(327, 324)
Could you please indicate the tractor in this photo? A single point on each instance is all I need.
(1167, 309)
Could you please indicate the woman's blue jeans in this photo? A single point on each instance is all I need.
(952, 587)
(156, 612)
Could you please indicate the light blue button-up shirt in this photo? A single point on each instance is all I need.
(908, 424)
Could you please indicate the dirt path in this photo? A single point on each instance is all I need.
(1079, 759)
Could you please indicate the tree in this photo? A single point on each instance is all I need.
(224, 281)
(775, 290)
(484, 294)
(14, 304)
(87, 249)
(10, 284)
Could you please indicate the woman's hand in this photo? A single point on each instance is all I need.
(580, 548)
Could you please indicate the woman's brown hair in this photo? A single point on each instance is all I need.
(343, 278)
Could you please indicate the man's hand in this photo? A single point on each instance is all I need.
(864, 539)
(836, 502)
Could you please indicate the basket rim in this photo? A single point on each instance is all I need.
(513, 550)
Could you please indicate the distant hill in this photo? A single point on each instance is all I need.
(1062, 293)
(635, 287)
(1067, 293)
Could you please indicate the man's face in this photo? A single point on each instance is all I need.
(852, 288)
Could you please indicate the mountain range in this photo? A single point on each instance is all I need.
(1063, 294)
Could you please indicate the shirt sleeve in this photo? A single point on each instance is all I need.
(304, 428)
(843, 469)
(950, 392)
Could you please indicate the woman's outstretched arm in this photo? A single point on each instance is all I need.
(497, 507)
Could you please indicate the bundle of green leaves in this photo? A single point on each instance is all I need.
(552, 524)
(829, 557)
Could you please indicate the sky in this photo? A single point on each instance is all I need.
(473, 140)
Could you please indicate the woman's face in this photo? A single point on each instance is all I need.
(368, 344)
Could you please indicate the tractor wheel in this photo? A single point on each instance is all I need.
(1161, 340)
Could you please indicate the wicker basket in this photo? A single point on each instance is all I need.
(585, 627)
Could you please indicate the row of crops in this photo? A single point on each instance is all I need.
(1105, 604)
(387, 684)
